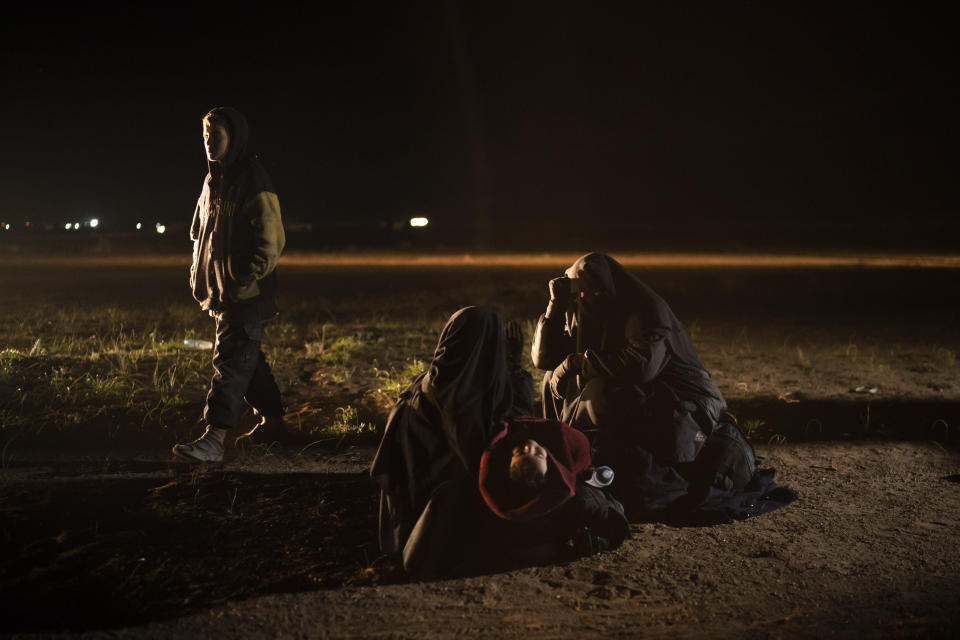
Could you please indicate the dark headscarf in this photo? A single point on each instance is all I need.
(468, 380)
(611, 293)
(441, 424)
(627, 309)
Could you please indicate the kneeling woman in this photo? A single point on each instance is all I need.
(620, 365)
(468, 482)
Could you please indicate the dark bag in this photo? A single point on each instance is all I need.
(687, 439)
(667, 427)
(727, 461)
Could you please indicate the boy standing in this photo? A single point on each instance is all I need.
(237, 238)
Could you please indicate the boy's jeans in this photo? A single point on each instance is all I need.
(240, 373)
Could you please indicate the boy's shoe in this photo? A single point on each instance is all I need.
(206, 448)
(270, 430)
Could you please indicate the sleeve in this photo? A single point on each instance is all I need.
(551, 342)
(263, 213)
(195, 232)
(195, 224)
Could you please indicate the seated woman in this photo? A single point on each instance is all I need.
(469, 483)
(620, 367)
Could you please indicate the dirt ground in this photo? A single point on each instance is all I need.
(282, 547)
(276, 544)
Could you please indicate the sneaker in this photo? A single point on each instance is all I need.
(206, 448)
(270, 430)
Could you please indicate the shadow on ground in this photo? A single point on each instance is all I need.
(810, 420)
(98, 544)
(117, 550)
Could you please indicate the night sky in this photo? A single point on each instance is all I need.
(553, 114)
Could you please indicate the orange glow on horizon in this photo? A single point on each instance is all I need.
(550, 260)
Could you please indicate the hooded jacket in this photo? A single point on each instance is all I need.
(568, 454)
(621, 329)
(237, 231)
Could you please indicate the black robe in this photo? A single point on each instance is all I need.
(442, 422)
(633, 381)
(621, 331)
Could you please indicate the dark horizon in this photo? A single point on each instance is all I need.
(490, 117)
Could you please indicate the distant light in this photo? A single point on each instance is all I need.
(6, 225)
(94, 223)
(27, 224)
(161, 228)
(68, 226)
(139, 226)
(76, 225)
(419, 222)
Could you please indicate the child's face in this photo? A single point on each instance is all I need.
(533, 450)
(215, 141)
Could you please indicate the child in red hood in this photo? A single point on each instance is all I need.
(557, 454)
(448, 503)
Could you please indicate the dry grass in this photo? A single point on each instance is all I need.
(81, 368)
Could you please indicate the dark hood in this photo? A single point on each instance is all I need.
(239, 132)
(629, 307)
(468, 379)
(595, 271)
(445, 419)
(442, 423)
(621, 294)
(568, 453)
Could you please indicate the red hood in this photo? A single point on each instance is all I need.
(568, 453)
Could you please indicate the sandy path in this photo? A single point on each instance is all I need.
(869, 550)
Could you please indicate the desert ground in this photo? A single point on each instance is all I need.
(841, 368)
